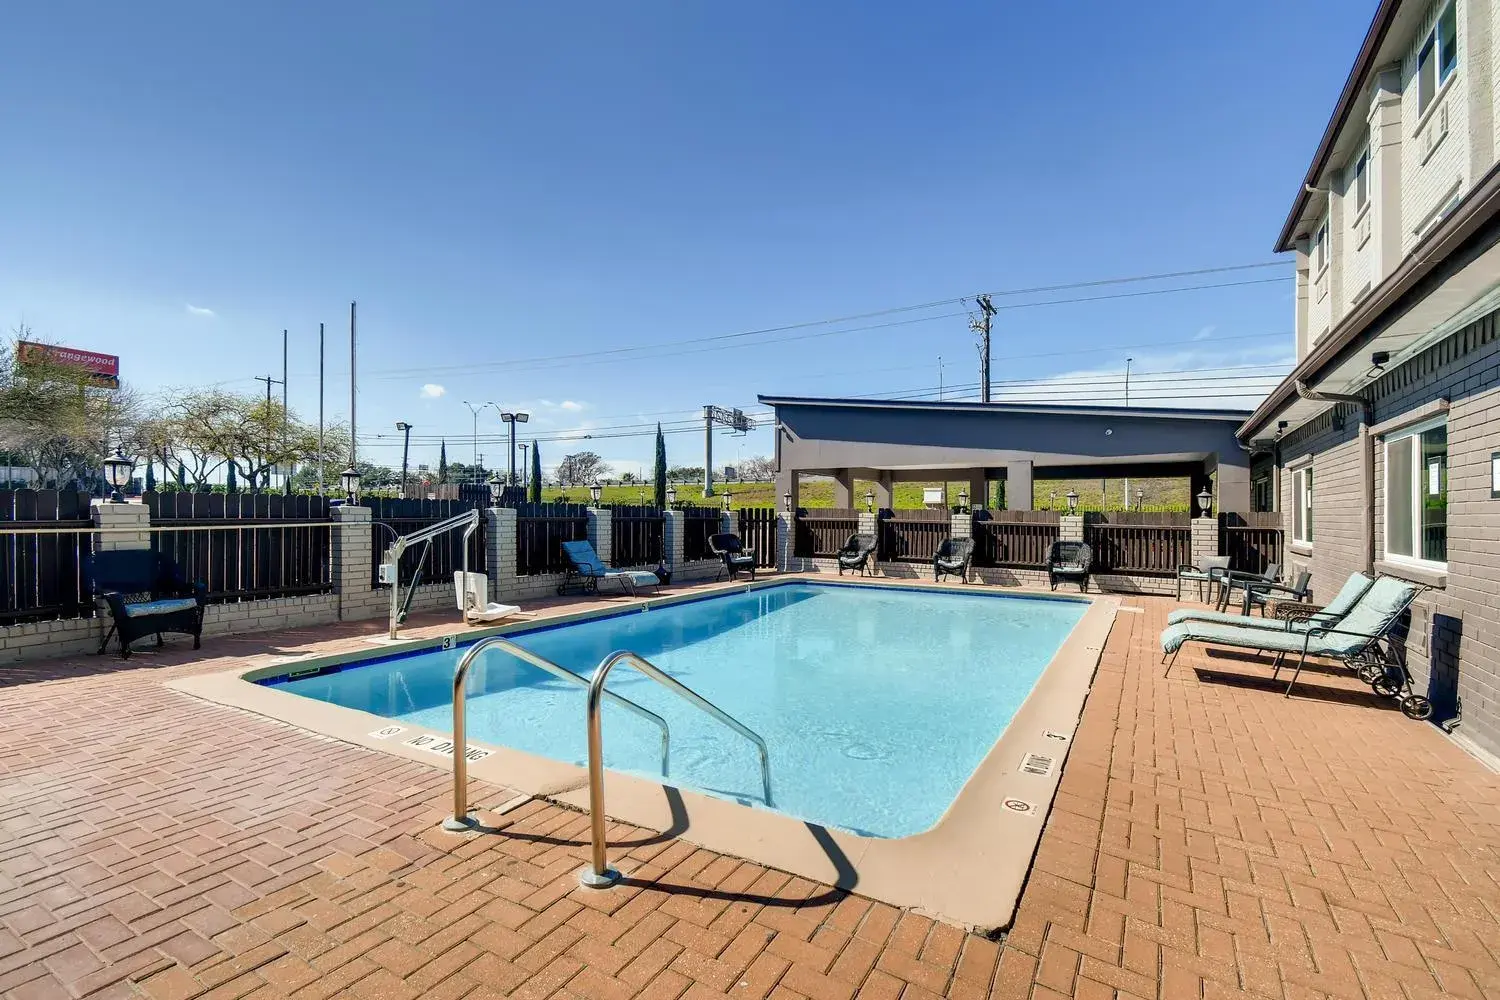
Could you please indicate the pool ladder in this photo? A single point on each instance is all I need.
(599, 874)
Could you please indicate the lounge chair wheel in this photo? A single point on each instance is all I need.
(1387, 686)
(1369, 672)
(1416, 707)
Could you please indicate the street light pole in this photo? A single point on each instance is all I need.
(524, 467)
(511, 419)
(405, 428)
(474, 409)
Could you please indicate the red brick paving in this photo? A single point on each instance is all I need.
(1210, 839)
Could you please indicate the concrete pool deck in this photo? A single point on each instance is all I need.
(1210, 838)
(968, 869)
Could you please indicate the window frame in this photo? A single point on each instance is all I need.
(1360, 174)
(1409, 437)
(1302, 522)
(1320, 248)
(1432, 51)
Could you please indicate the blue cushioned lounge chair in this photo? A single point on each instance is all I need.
(586, 569)
(1354, 588)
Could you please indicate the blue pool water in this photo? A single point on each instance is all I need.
(876, 703)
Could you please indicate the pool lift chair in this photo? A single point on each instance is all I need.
(390, 565)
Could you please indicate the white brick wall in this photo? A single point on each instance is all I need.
(1431, 176)
(1319, 295)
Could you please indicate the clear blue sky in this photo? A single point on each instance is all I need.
(502, 182)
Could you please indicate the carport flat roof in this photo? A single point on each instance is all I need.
(1235, 417)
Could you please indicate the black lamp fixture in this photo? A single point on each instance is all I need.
(596, 492)
(1140, 499)
(786, 501)
(963, 498)
(1205, 501)
(870, 501)
(117, 470)
(671, 495)
(496, 488)
(1072, 499)
(1378, 361)
(728, 499)
(349, 481)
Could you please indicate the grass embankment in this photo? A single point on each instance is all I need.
(1160, 494)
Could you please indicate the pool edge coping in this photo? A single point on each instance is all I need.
(968, 869)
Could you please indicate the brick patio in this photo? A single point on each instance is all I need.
(1210, 838)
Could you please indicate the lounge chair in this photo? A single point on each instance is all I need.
(732, 554)
(1260, 595)
(1242, 579)
(856, 553)
(1363, 636)
(1069, 561)
(475, 604)
(586, 569)
(147, 595)
(1208, 570)
(952, 559)
(1354, 588)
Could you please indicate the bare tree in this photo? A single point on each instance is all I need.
(581, 468)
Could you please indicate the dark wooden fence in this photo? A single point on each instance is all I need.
(1018, 539)
(757, 529)
(1144, 543)
(244, 546)
(912, 535)
(1251, 541)
(394, 517)
(698, 525)
(541, 528)
(823, 532)
(635, 535)
(42, 575)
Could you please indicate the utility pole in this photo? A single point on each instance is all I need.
(735, 419)
(524, 467)
(269, 381)
(404, 428)
(940, 378)
(353, 446)
(285, 413)
(474, 409)
(981, 325)
(1127, 403)
(320, 409)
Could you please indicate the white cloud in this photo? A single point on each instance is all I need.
(432, 390)
(1205, 333)
(203, 311)
(568, 404)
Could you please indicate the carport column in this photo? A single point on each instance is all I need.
(843, 489)
(979, 490)
(601, 533)
(673, 540)
(1205, 538)
(353, 563)
(128, 524)
(885, 497)
(500, 552)
(786, 534)
(1018, 485)
(1070, 528)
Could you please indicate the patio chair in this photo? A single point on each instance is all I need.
(1354, 588)
(856, 553)
(474, 599)
(146, 595)
(1232, 579)
(1367, 634)
(1069, 561)
(732, 554)
(952, 559)
(1206, 571)
(1260, 595)
(586, 569)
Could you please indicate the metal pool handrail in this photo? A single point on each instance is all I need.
(460, 821)
(600, 875)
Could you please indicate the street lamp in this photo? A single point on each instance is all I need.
(595, 492)
(671, 495)
(1072, 501)
(728, 499)
(349, 480)
(511, 419)
(404, 428)
(1205, 500)
(117, 470)
(496, 488)
(474, 408)
(963, 498)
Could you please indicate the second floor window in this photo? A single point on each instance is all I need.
(1320, 249)
(1360, 187)
(1438, 58)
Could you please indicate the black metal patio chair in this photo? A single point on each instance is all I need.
(732, 554)
(1069, 561)
(856, 554)
(952, 559)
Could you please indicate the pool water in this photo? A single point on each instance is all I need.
(877, 703)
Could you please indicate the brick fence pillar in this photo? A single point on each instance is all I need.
(601, 533)
(786, 535)
(1205, 538)
(500, 552)
(1070, 528)
(128, 524)
(961, 526)
(869, 523)
(674, 540)
(353, 564)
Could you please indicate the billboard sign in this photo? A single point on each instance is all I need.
(102, 369)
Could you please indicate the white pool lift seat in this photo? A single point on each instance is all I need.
(475, 604)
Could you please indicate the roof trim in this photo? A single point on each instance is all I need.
(1385, 15)
(1480, 207)
(1167, 412)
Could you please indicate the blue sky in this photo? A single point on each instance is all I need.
(498, 183)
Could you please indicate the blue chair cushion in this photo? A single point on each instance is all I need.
(642, 577)
(143, 609)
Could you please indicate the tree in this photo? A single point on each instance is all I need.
(536, 473)
(685, 473)
(759, 469)
(231, 484)
(443, 462)
(581, 468)
(628, 479)
(660, 472)
(150, 475)
(213, 427)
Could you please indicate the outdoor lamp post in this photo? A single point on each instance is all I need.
(496, 488)
(786, 501)
(870, 501)
(963, 499)
(117, 470)
(671, 495)
(405, 429)
(595, 492)
(728, 499)
(1072, 501)
(1140, 499)
(511, 419)
(1205, 500)
(349, 480)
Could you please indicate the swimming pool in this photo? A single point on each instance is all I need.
(877, 703)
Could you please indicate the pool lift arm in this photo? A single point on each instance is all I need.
(390, 563)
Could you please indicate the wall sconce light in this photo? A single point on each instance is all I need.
(1205, 501)
(786, 501)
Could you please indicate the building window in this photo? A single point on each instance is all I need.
(1302, 512)
(1361, 182)
(1416, 495)
(1438, 58)
(1320, 248)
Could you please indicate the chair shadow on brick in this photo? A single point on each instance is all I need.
(146, 594)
